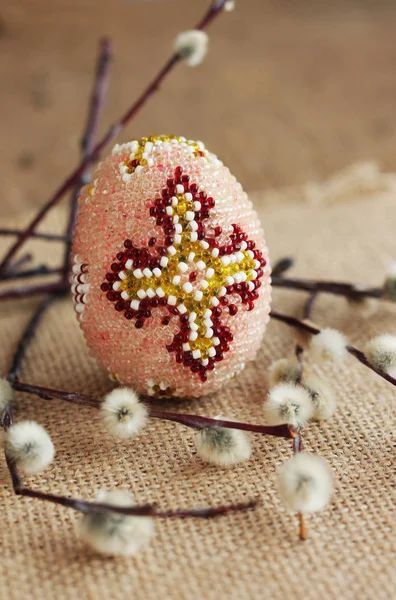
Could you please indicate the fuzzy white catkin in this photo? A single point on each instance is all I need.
(222, 446)
(322, 396)
(381, 352)
(288, 404)
(5, 394)
(229, 5)
(329, 344)
(114, 534)
(123, 414)
(29, 446)
(305, 483)
(192, 46)
(283, 371)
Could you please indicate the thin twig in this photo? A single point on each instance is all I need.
(88, 140)
(309, 304)
(299, 355)
(298, 447)
(348, 290)
(213, 11)
(18, 263)
(207, 513)
(296, 432)
(26, 338)
(198, 422)
(294, 322)
(299, 350)
(20, 352)
(50, 237)
(59, 288)
(96, 106)
(303, 534)
(189, 420)
(147, 510)
(358, 354)
(281, 266)
(38, 271)
(48, 394)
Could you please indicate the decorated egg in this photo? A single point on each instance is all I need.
(171, 279)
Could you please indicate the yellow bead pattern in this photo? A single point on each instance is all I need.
(191, 268)
(191, 256)
(143, 147)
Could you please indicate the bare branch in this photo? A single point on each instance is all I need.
(358, 354)
(214, 10)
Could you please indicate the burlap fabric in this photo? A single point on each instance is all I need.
(253, 555)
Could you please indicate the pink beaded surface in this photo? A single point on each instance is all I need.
(171, 277)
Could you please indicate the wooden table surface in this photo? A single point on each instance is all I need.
(290, 91)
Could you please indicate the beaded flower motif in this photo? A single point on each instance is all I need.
(191, 274)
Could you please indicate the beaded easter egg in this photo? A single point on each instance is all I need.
(171, 279)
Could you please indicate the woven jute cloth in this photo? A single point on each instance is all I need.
(348, 234)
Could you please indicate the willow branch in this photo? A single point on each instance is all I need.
(295, 433)
(20, 352)
(348, 290)
(214, 10)
(26, 338)
(50, 237)
(281, 266)
(207, 513)
(358, 354)
(88, 139)
(198, 422)
(38, 271)
(18, 263)
(58, 288)
(299, 350)
(309, 304)
(189, 420)
(49, 393)
(147, 510)
(96, 106)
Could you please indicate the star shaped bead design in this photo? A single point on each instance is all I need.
(194, 276)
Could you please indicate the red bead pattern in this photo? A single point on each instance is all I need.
(194, 276)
